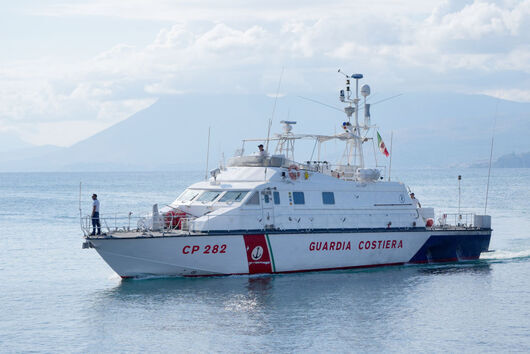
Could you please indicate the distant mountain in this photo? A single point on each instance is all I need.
(10, 142)
(26, 153)
(512, 160)
(170, 134)
(429, 130)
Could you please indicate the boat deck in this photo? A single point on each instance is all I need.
(179, 233)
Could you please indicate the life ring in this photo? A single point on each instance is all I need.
(294, 172)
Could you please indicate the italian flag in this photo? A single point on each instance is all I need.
(382, 146)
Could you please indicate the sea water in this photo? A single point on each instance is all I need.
(57, 297)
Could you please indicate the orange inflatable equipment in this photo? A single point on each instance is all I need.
(172, 218)
(294, 172)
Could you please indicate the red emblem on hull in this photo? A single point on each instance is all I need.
(258, 257)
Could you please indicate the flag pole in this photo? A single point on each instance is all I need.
(391, 153)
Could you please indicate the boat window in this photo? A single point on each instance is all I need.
(276, 197)
(328, 198)
(188, 195)
(233, 196)
(209, 196)
(254, 199)
(298, 197)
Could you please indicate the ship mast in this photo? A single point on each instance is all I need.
(286, 140)
(355, 157)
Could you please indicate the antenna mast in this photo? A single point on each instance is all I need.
(346, 97)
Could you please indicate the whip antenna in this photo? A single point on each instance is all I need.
(491, 156)
(391, 153)
(270, 120)
(321, 103)
(207, 154)
(80, 212)
(273, 111)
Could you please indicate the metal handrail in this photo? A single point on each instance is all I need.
(166, 223)
(170, 223)
(302, 221)
(459, 219)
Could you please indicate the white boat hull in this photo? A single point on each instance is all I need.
(285, 252)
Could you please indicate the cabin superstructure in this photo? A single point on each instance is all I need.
(263, 191)
(240, 199)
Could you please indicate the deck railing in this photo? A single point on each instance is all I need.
(119, 223)
(168, 223)
(456, 219)
(319, 221)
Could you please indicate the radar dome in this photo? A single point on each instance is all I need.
(365, 90)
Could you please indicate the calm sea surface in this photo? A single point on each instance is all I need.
(56, 297)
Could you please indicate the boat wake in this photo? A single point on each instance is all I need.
(503, 255)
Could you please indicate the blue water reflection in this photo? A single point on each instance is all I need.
(57, 297)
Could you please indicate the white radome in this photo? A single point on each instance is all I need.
(365, 90)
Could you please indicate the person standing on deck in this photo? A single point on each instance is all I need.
(415, 201)
(261, 150)
(95, 215)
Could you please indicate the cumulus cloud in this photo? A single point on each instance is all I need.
(471, 46)
(509, 94)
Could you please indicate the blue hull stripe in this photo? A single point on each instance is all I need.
(444, 248)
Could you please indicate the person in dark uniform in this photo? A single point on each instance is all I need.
(95, 215)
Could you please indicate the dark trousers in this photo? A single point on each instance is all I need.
(95, 222)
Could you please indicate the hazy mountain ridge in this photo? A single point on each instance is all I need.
(429, 130)
(28, 153)
(512, 160)
(10, 142)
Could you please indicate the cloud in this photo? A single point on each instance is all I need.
(471, 46)
(69, 131)
(229, 11)
(509, 94)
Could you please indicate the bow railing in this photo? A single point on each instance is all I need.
(165, 222)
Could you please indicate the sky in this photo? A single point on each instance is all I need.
(69, 69)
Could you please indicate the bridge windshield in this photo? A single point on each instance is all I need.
(188, 195)
(209, 196)
(233, 196)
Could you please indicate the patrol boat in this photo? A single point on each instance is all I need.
(269, 213)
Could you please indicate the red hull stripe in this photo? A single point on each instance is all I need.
(449, 260)
(291, 271)
(258, 257)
